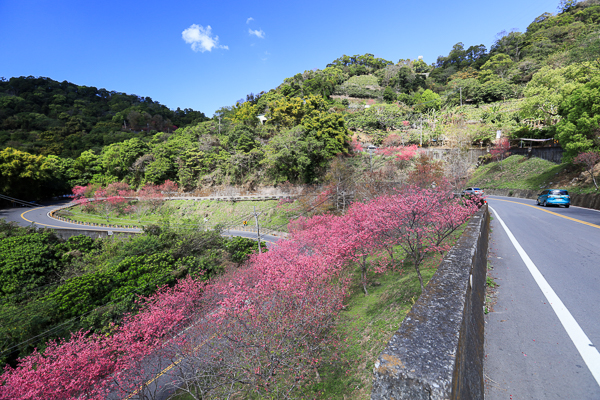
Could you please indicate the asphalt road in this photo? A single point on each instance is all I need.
(25, 216)
(543, 333)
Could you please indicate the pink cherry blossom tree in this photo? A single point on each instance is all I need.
(420, 219)
(105, 203)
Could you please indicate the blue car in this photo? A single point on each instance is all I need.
(554, 197)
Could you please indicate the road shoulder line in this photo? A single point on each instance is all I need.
(586, 348)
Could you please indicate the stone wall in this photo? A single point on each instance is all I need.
(438, 351)
(441, 154)
(589, 200)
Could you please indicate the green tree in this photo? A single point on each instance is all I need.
(240, 248)
(329, 129)
(579, 130)
(22, 175)
(509, 44)
(549, 87)
(287, 113)
(498, 65)
(428, 100)
(495, 90)
(117, 158)
(245, 113)
(288, 155)
(566, 5)
(28, 262)
(389, 95)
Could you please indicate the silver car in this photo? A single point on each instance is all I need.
(472, 191)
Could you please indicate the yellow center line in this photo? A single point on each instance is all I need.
(550, 212)
(90, 228)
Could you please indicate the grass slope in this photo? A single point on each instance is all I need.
(518, 172)
(178, 212)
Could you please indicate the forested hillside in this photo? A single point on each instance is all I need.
(43, 116)
(541, 83)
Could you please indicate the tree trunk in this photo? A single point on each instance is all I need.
(416, 263)
(364, 275)
(420, 279)
(390, 250)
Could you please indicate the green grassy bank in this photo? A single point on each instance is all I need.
(517, 172)
(190, 212)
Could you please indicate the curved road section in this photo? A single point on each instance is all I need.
(39, 217)
(542, 335)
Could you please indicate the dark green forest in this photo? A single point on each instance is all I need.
(43, 116)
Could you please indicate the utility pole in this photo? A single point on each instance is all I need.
(219, 125)
(257, 229)
(421, 141)
(460, 96)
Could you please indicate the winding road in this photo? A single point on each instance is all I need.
(39, 217)
(543, 332)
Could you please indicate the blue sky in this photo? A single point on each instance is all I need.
(166, 50)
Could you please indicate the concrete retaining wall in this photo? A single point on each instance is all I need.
(590, 200)
(438, 351)
(552, 154)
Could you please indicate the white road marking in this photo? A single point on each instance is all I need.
(586, 348)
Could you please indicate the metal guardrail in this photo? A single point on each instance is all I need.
(225, 198)
(263, 230)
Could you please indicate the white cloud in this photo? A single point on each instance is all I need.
(258, 33)
(201, 38)
(249, 19)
